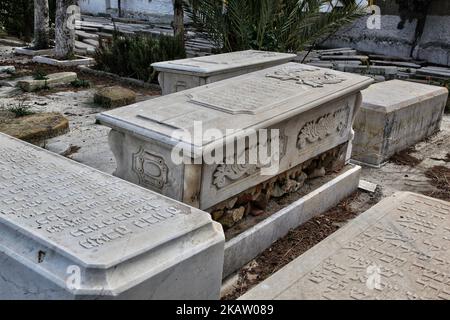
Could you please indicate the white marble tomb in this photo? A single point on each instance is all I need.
(68, 231)
(394, 116)
(178, 75)
(397, 250)
(312, 108)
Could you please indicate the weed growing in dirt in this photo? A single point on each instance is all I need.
(80, 83)
(21, 109)
(40, 75)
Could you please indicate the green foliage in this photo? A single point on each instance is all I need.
(131, 56)
(40, 75)
(80, 83)
(274, 25)
(17, 17)
(21, 109)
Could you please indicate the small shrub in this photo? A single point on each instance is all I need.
(21, 109)
(40, 75)
(132, 56)
(80, 83)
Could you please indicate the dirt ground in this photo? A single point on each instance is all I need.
(424, 168)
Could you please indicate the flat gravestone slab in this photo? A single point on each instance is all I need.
(68, 231)
(51, 80)
(35, 128)
(398, 249)
(394, 116)
(179, 75)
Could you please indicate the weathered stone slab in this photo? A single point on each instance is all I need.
(435, 72)
(395, 115)
(396, 64)
(27, 51)
(71, 232)
(386, 71)
(185, 74)
(52, 80)
(344, 57)
(114, 97)
(78, 61)
(398, 249)
(312, 108)
(35, 128)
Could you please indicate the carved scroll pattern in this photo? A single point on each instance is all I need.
(315, 77)
(234, 172)
(326, 125)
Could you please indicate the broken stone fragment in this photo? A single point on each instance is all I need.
(291, 186)
(216, 215)
(277, 191)
(53, 80)
(302, 178)
(262, 201)
(256, 212)
(231, 217)
(114, 97)
(317, 173)
(231, 203)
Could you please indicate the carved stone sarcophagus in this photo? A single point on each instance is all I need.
(205, 145)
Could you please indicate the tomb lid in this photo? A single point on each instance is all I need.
(396, 94)
(396, 250)
(55, 212)
(220, 63)
(252, 101)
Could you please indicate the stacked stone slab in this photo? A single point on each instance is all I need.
(398, 249)
(312, 108)
(394, 116)
(70, 232)
(185, 74)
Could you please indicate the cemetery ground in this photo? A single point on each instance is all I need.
(85, 141)
(424, 168)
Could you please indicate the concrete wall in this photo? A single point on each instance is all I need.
(153, 10)
(433, 46)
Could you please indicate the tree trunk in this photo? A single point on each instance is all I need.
(65, 28)
(41, 24)
(119, 6)
(178, 19)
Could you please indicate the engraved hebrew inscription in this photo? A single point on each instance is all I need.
(72, 204)
(406, 249)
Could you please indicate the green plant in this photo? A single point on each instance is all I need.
(21, 109)
(275, 25)
(17, 17)
(132, 56)
(80, 83)
(40, 75)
